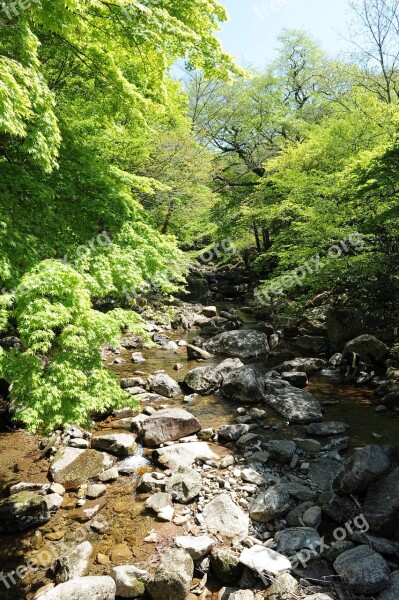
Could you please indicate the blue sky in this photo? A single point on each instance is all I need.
(251, 34)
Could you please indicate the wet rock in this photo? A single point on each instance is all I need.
(306, 365)
(164, 342)
(121, 553)
(22, 511)
(281, 450)
(137, 357)
(365, 466)
(163, 384)
(184, 485)
(149, 482)
(284, 587)
(196, 546)
(195, 353)
(297, 406)
(233, 432)
(83, 588)
(392, 591)
(297, 538)
(130, 581)
(169, 582)
(296, 378)
(222, 516)
(269, 505)
(264, 560)
(239, 344)
(130, 382)
(167, 425)
(203, 380)
(120, 444)
(72, 467)
(367, 344)
(327, 428)
(381, 506)
(244, 385)
(75, 563)
(226, 565)
(363, 570)
(184, 455)
(323, 471)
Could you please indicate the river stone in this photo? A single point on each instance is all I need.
(312, 517)
(296, 378)
(195, 353)
(159, 501)
(327, 428)
(284, 587)
(361, 469)
(295, 517)
(22, 511)
(167, 425)
(239, 344)
(83, 588)
(295, 405)
(305, 365)
(367, 344)
(308, 445)
(313, 343)
(75, 563)
(149, 482)
(222, 516)
(53, 501)
(232, 433)
(228, 365)
(120, 444)
(381, 506)
(244, 385)
(237, 595)
(293, 539)
(184, 485)
(226, 565)
(173, 576)
(281, 450)
(203, 380)
(339, 509)
(392, 591)
(184, 455)
(96, 490)
(363, 570)
(269, 505)
(72, 467)
(163, 384)
(323, 471)
(197, 546)
(264, 560)
(130, 581)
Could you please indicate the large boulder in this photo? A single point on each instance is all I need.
(244, 385)
(269, 505)
(203, 380)
(343, 324)
(381, 506)
(167, 425)
(72, 467)
(324, 471)
(392, 591)
(222, 516)
(120, 444)
(83, 588)
(184, 485)
(173, 576)
(22, 511)
(163, 384)
(364, 467)
(367, 344)
(242, 344)
(363, 570)
(184, 455)
(295, 405)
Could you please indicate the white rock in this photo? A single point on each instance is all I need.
(264, 560)
(83, 588)
(196, 546)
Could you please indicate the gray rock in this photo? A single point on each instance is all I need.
(184, 455)
(233, 432)
(296, 378)
(392, 591)
(22, 511)
(367, 344)
(137, 357)
(284, 587)
(305, 365)
(361, 469)
(244, 385)
(337, 508)
(75, 563)
(149, 483)
(222, 516)
(120, 444)
(297, 538)
(363, 570)
(195, 353)
(327, 428)
(173, 576)
(96, 490)
(166, 425)
(239, 344)
(158, 501)
(228, 365)
(226, 565)
(130, 581)
(197, 546)
(335, 361)
(281, 450)
(295, 405)
(338, 548)
(184, 485)
(308, 445)
(295, 517)
(83, 588)
(241, 595)
(323, 471)
(109, 475)
(203, 380)
(209, 311)
(79, 443)
(252, 476)
(269, 505)
(312, 517)
(381, 506)
(72, 467)
(22, 486)
(163, 384)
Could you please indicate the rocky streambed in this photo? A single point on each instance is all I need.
(249, 473)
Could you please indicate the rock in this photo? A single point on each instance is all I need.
(284, 587)
(305, 365)
(53, 501)
(96, 490)
(252, 476)
(163, 384)
(195, 353)
(149, 483)
(281, 450)
(226, 565)
(158, 501)
(323, 471)
(222, 516)
(22, 511)
(297, 406)
(361, 469)
(209, 311)
(78, 443)
(240, 344)
(72, 467)
(75, 563)
(203, 380)
(337, 508)
(269, 505)
(295, 378)
(184, 455)
(137, 357)
(244, 385)
(240, 595)
(196, 546)
(121, 553)
(164, 342)
(130, 581)
(307, 445)
(343, 323)
(83, 588)
(130, 382)
(313, 343)
(367, 344)
(381, 506)
(120, 444)
(327, 428)
(293, 539)
(184, 485)
(57, 488)
(166, 514)
(167, 425)
(319, 597)
(264, 560)
(312, 517)
(228, 365)
(109, 475)
(338, 548)
(363, 570)
(233, 432)
(392, 591)
(22, 486)
(335, 361)
(169, 582)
